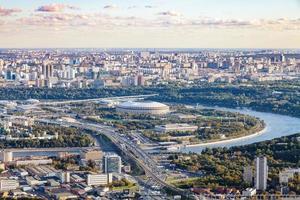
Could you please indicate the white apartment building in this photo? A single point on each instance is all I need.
(261, 173)
(99, 179)
(8, 184)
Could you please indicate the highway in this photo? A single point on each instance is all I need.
(59, 149)
(128, 147)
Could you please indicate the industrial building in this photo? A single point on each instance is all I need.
(176, 128)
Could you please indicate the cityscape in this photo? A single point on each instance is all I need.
(191, 100)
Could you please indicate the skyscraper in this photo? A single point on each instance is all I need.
(47, 71)
(261, 173)
(112, 163)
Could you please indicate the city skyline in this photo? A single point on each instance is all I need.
(149, 24)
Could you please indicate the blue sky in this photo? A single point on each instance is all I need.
(150, 23)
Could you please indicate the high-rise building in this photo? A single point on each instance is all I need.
(140, 80)
(112, 163)
(47, 70)
(261, 173)
(248, 174)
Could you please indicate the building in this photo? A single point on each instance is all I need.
(64, 177)
(7, 156)
(33, 181)
(42, 171)
(33, 162)
(287, 174)
(47, 71)
(91, 154)
(146, 107)
(8, 184)
(112, 163)
(248, 174)
(261, 173)
(99, 179)
(249, 192)
(76, 179)
(176, 128)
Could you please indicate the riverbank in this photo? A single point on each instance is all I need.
(227, 140)
(276, 126)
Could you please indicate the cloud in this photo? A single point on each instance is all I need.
(111, 6)
(55, 8)
(69, 21)
(149, 6)
(8, 12)
(170, 13)
(132, 7)
(221, 23)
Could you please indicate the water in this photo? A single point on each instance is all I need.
(276, 126)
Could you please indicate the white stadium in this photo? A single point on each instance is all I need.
(146, 107)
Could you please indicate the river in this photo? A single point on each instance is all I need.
(276, 126)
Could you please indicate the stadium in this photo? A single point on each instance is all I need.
(146, 107)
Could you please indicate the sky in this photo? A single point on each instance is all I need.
(150, 24)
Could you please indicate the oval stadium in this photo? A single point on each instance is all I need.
(146, 107)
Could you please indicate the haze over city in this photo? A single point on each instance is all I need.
(150, 24)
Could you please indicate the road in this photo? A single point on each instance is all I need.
(62, 149)
(129, 148)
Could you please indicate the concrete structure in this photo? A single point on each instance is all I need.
(8, 184)
(99, 179)
(176, 128)
(261, 173)
(112, 163)
(147, 107)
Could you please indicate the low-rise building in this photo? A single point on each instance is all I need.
(34, 162)
(8, 184)
(249, 192)
(76, 179)
(176, 128)
(64, 177)
(99, 179)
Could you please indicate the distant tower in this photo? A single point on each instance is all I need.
(47, 71)
(261, 173)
